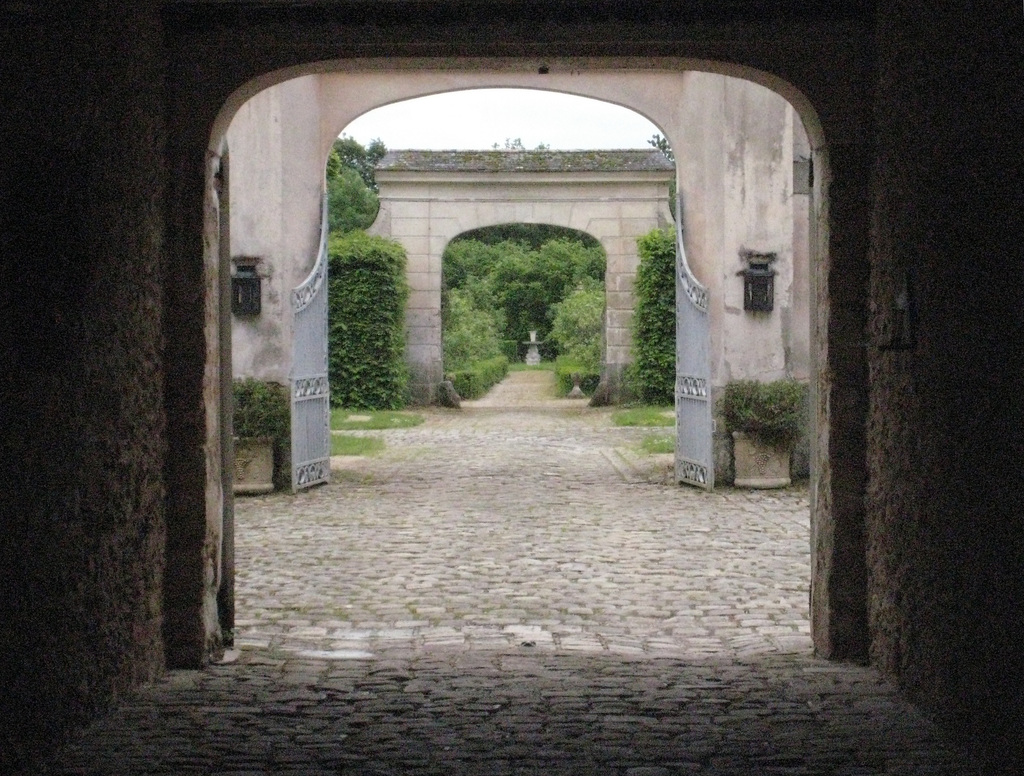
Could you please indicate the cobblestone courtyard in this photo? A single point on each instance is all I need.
(483, 528)
(515, 589)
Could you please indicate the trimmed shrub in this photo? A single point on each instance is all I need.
(653, 371)
(564, 369)
(773, 413)
(577, 325)
(470, 334)
(510, 350)
(367, 292)
(476, 379)
(261, 409)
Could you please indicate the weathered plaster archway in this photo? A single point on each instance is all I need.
(428, 198)
(735, 144)
(839, 86)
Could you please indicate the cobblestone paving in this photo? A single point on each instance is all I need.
(519, 592)
(484, 529)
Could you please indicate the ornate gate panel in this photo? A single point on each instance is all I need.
(310, 391)
(694, 448)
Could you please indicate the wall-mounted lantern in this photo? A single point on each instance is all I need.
(246, 289)
(758, 281)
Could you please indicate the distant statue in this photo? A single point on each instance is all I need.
(576, 392)
(532, 354)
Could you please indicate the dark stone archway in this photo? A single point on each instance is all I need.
(110, 467)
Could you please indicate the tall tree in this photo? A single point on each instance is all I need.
(362, 159)
(657, 140)
(351, 185)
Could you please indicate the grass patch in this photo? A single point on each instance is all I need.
(346, 444)
(644, 416)
(657, 444)
(372, 420)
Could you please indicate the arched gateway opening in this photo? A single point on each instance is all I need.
(430, 197)
(838, 564)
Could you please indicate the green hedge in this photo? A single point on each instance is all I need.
(564, 369)
(653, 372)
(577, 325)
(477, 379)
(367, 292)
(470, 333)
(774, 412)
(510, 349)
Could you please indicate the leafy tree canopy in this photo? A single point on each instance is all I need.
(351, 186)
(657, 140)
(351, 203)
(533, 235)
(352, 153)
(520, 283)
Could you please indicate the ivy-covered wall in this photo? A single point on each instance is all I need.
(367, 292)
(653, 372)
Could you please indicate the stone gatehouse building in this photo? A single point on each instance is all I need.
(114, 252)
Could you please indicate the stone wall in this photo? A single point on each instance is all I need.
(81, 380)
(277, 174)
(735, 168)
(945, 538)
(735, 141)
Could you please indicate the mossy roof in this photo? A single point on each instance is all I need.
(621, 160)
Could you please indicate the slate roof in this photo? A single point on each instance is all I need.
(622, 160)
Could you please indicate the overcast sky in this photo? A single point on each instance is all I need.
(479, 118)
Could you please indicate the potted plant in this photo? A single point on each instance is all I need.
(262, 420)
(765, 420)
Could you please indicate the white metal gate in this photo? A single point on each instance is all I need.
(694, 444)
(310, 390)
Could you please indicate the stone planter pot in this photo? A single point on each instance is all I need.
(757, 465)
(254, 466)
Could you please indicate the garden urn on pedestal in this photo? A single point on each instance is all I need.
(765, 420)
(261, 422)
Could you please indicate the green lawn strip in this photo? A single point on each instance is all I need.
(644, 416)
(372, 420)
(347, 444)
(656, 444)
